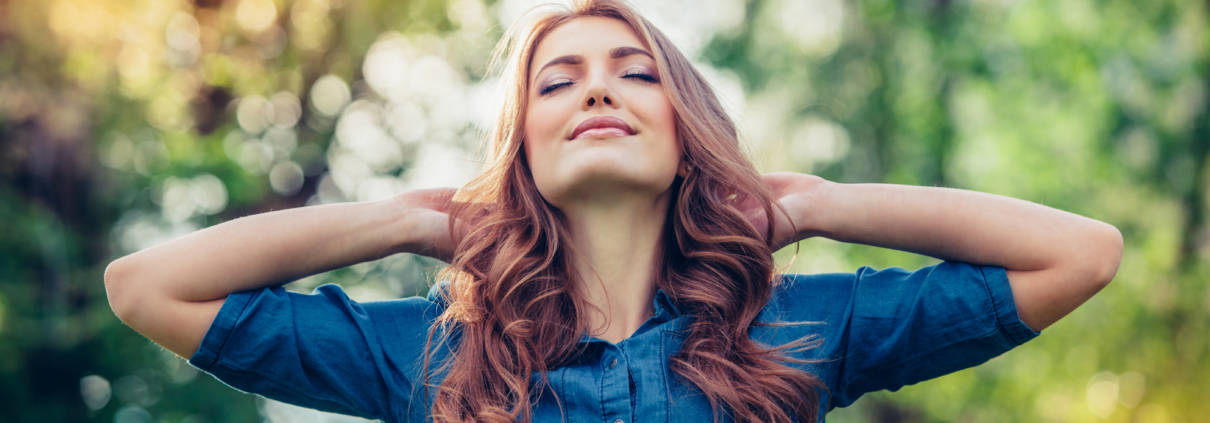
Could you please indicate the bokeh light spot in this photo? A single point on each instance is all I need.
(286, 109)
(95, 391)
(286, 178)
(329, 95)
(814, 24)
(819, 141)
(255, 15)
(1102, 394)
(254, 114)
(1131, 386)
(132, 414)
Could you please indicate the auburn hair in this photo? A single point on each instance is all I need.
(511, 295)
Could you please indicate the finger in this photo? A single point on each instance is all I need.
(438, 199)
(779, 181)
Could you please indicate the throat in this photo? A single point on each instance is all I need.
(615, 254)
(616, 331)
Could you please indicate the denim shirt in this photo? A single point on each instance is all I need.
(881, 329)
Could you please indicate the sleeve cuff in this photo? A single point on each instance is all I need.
(1005, 306)
(220, 330)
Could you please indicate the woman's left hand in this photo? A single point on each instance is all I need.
(795, 193)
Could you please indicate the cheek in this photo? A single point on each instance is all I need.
(536, 146)
(542, 127)
(667, 114)
(534, 158)
(665, 123)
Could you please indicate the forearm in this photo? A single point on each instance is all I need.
(262, 250)
(960, 225)
(172, 292)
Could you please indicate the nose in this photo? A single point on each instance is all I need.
(604, 99)
(598, 91)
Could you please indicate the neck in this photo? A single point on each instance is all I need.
(617, 247)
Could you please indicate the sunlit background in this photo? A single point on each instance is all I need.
(127, 123)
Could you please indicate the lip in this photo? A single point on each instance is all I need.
(598, 122)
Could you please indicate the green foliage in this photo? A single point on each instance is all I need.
(123, 124)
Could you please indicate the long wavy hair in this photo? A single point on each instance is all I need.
(511, 294)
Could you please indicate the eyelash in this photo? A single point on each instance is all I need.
(636, 74)
(641, 75)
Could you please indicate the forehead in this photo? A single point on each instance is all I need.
(587, 36)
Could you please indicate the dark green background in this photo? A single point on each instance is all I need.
(117, 118)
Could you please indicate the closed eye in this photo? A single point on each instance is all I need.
(641, 75)
(630, 74)
(547, 89)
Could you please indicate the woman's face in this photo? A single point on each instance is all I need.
(597, 68)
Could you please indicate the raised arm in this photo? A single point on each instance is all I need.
(171, 292)
(1055, 260)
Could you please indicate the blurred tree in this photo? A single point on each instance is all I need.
(124, 124)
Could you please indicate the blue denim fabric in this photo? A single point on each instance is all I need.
(881, 329)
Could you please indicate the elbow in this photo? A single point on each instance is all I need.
(1109, 247)
(117, 288)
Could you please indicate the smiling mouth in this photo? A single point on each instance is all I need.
(602, 126)
(602, 133)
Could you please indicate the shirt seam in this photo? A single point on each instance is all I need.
(212, 356)
(845, 337)
(563, 395)
(992, 299)
(601, 390)
(1003, 320)
(281, 384)
(664, 377)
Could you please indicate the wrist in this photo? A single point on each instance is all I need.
(815, 217)
(398, 229)
(418, 223)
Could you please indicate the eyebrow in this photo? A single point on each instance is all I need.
(575, 59)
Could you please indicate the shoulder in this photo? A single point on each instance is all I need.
(331, 298)
(888, 281)
(814, 297)
(321, 350)
(327, 317)
(834, 298)
(439, 294)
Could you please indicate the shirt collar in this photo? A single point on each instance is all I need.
(663, 303)
(665, 310)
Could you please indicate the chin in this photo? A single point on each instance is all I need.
(603, 180)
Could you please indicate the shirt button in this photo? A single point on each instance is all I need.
(612, 364)
(618, 421)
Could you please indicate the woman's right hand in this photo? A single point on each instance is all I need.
(427, 213)
(795, 196)
(171, 292)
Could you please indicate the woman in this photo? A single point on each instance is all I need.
(613, 263)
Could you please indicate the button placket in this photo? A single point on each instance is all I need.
(615, 388)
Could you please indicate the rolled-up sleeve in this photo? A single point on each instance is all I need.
(888, 328)
(321, 350)
(907, 327)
